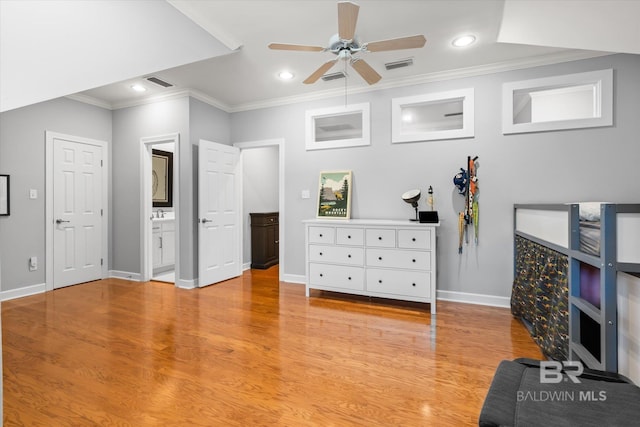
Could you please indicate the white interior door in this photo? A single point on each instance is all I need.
(77, 212)
(218, 213)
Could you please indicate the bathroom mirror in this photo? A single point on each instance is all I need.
(570, 101)
(442, 115)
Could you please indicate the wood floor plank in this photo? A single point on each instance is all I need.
(248, 351)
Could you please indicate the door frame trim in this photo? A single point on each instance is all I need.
(146, 145)
(277, 142)
(49, 228)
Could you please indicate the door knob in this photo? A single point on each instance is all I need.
(205, 220)
(60, 221)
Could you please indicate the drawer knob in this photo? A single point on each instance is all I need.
(348, 237)
(413, 284)
(321, 275)
(413, 260)
(379, 237)
(380, 258)
(413, 239)
(349, 256)
(379, 280)
(320, 234)
(349, 277)
(320, 253)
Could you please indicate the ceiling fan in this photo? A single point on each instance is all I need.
(346, 46)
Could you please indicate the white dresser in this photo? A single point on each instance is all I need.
(381, 258)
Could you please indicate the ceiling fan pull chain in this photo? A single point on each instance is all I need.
(345, 83)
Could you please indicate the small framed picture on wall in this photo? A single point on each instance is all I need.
(334, 195)
(4, 195)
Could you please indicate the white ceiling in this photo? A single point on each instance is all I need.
(247, 78)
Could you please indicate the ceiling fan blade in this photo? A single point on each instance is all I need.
(395, 44)
(347, 19)
(369, 74)
(320, 71)
(284, 46)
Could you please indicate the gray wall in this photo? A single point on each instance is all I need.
(129, 125)
(193, 120)
(260, 194)
(597, 164)
(22, 155)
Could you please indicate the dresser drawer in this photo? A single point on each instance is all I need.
(398, 259)
(336, 254)
(336, 276)
(397, 282)
(350, 236)
(264, 218)
(414, 239)
(321, 235)
(381, 238)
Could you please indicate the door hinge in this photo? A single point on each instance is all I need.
(101, 261)
(101, 163)
(101, 212)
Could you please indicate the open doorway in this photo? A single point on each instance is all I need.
(160, 208)
(264, 159)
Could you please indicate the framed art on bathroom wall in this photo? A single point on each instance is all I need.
(4, 195)
(162, 179)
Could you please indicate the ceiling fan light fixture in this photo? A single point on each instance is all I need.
(285, 75)
(464, 41)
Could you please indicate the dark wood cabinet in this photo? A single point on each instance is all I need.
(265, 244)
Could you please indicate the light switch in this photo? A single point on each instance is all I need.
(306, 194)
(33, 193)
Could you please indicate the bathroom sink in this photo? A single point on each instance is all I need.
(168, 216)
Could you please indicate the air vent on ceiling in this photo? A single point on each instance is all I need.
(159, 82)
(398, 64)
(333, 76)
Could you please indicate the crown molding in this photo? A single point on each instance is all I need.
(529, 62)
(497, 67)
(90, 100)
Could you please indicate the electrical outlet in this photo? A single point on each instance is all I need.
(33, 263)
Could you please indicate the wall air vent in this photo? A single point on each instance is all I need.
(333, 76)
(159, 82)
(398, 64)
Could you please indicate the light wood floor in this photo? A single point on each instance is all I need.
(247, 352)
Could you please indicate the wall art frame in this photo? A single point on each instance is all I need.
(334, 195)
(5, 196)
(162, 178)
(338, 127)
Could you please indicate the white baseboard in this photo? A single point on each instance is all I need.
(187, 284)
(246, 266)
(22, 292)
(134, 277)
(294, 278)
(469, 298)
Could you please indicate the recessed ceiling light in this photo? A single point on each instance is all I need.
(285, 75)
(463, 41)
(138, 88)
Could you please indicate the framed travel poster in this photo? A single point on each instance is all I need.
(334, 195)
